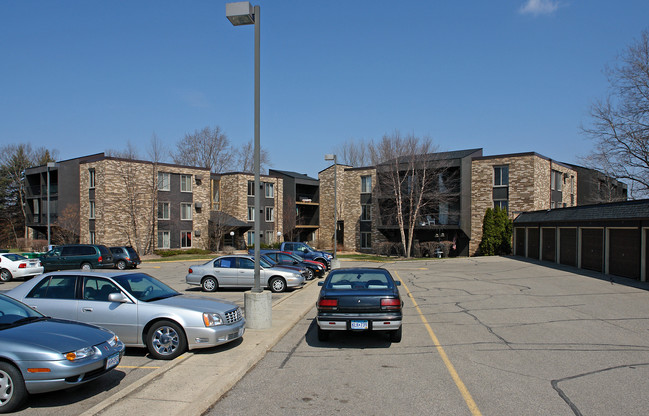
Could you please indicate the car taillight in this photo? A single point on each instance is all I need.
(328, 303)
(391, 303)
(100, 259)
(190, 270)
(22, 266)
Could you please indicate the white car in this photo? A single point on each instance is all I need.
(14, 265)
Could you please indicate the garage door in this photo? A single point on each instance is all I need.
(592, 249)
(568, 246)
(549, 249)
(520, 242)
(624, 253)
(533, 243)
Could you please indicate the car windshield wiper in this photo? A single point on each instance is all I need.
(30, 319)
(168, 295)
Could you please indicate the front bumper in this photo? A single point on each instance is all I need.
(205, 337)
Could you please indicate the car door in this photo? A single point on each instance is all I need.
(95, 308)
(52, 259)
(225, 270)
(246, 272)
(68, 258)
(55, 296)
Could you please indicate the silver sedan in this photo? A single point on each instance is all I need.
(141, 310)
(40, 354)
(238, 271)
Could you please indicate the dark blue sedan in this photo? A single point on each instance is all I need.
(359, 299)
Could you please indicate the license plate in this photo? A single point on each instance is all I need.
(359, 325)
(112, 361)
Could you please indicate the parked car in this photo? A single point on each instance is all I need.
(141, 310)
(39, 354)
(125, 257)
(307, 252)
(314, 268)
(13, 266)
(238, 271)
(359, 299)
(77, 256)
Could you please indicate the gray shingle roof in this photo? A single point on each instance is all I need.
(601, 212)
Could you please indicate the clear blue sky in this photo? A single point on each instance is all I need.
(509, 76)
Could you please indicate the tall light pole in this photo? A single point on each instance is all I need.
(333, 157)
(259, 303)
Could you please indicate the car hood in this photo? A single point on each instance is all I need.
(56, 335)
(197, 303)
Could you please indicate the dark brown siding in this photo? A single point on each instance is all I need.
(624, 253)
(592, 249)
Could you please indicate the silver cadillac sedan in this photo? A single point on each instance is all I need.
(238, 271)
(141, 310)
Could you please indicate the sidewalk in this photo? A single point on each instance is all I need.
(191, 383)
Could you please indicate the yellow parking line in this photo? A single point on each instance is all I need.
(449, 366)
(137, 366)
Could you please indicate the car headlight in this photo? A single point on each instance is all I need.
(80, 354)
(329, 257)
(212, 319)
(113, 341)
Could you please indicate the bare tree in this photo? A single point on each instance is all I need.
(354, 153)
(245, 158)
(207, 148)
(66, 226)
(220, 224)
(620, 122)
(411, 178)
(290, 220)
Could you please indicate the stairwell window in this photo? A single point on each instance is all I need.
(366, 184)
(91, 213)
(500, 192)
(91, 178)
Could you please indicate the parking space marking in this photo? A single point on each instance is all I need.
(138, 366)
(473, 407)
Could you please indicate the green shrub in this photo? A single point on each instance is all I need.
(171, 253)
(496, 233)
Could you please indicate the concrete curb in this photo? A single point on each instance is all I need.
(193, 382)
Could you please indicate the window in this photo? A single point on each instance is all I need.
(251, 238)
(366, 184)
(501, 175)
(270, 190)
(55, 287)
(270, 216)
(366, 240)
(245, 263)
(91, 213)
(92, 237)
(91, 178)
(216, 195)
(185, 239)
(366, 212)
(503, 204)
(164, 181)
(185, 211)
(163, 210)
(185, 183)
(98, 289)
(556, 180)
(163, 239)
(251, 213)
(251, 188)
(270, 237)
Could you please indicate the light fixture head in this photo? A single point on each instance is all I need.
(240, 13)
(330, 157)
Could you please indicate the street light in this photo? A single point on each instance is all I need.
(333, 157)
(257, 303)
(243, 13)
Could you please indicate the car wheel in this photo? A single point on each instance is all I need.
(121, 265)
(395, 336)
(309, 274)
(86, 267)
(12, 388)
(166, 340)
(5, 275)
(210, 284)
(277, 284)
(323, 336)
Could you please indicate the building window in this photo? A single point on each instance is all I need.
(501, 175)
(216, 195)
(366, 184)
(270, 214)
(270, 237)
(251, 213)
(366, 240)
(251, 188)
(503, 204)
(185, 183)
(92, 237)
(163, 239)
(91, 178)
(91, 214)
(164, 180)
(366, 212)
(251, 238)
(163, 210)
(556, 180)
(270, 190)
(185, 239)
(185, 211)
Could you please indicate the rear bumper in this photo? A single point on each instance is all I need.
(342, 322)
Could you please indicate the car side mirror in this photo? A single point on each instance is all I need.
(320, 283)
(397, 282)
(295, 261)
(117, 297)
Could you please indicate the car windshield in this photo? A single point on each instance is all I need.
(14, 257)
(363, 279)
(266, 262)
(13, 313)
(144, 287)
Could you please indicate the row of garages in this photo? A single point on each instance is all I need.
(607, 238)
